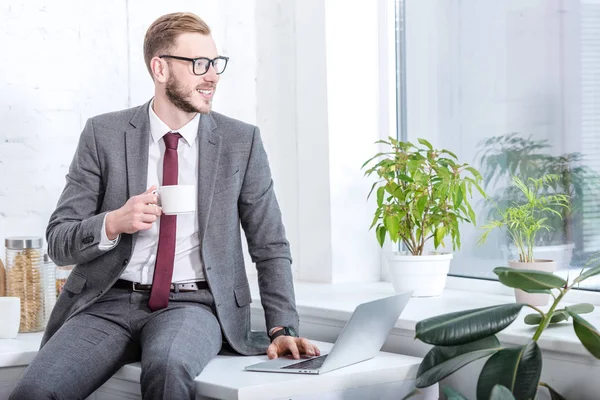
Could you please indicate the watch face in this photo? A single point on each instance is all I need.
(291, 332)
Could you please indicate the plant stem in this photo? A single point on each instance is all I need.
(546, 321)
(536, 309)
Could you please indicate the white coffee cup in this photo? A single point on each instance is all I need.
(10, 315)
(177, 199)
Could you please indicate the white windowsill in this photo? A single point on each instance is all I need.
(330, 303)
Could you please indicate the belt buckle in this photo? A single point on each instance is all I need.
(133, 288)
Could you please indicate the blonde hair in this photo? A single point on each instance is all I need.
(162, 34)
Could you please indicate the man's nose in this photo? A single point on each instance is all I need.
(211, 74)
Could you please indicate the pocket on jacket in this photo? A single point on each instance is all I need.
(227, 183)
(75, 283)
(243, 297)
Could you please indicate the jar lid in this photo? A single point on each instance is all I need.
(23, 242)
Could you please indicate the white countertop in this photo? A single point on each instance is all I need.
(337, 302)
(225, 377)
(19, 351)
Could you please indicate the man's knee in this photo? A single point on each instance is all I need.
(27, 390)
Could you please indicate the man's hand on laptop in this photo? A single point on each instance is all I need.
(295, 346)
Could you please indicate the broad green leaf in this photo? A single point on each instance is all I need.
(500, 392)
(439, 236)
(466, 326)
(421, 203)
(583, 308)
(381, 234)
(452, 394)
(528, 279)
(533, 319)
(426, 143)
(554, 395)
(380, 194)
(441, 361)
(405, 178)
(536, 319)
(392, 225)
(458, 196)
(587, 334)
(587, 274)
(517, 368)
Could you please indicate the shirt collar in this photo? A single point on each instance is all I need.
(158, 128)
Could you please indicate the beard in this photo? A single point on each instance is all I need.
(181, 97)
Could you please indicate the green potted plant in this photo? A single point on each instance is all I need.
(460, 338)
(501, 157)
(523, 221)
(422, 194)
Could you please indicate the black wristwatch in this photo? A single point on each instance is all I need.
(285, 331)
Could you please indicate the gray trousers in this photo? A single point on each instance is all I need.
(174, 345)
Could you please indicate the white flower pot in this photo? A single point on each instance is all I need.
(535, 299)
(561, 254)
(423, 275)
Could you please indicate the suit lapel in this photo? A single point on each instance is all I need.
(209, 149)
(136, 153)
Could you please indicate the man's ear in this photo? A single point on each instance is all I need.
(160, 70)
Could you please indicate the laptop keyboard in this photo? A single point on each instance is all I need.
(313, 363)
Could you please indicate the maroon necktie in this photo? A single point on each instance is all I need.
(165, 256)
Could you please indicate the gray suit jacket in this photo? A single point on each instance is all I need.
(235, 187)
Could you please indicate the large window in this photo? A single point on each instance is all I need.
(510, 85)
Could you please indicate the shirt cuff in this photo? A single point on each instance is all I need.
(105, 242)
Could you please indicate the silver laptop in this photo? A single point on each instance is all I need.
(361, 339)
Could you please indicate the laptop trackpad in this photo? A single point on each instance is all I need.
(284, 362)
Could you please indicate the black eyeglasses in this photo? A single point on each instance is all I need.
(202, 64)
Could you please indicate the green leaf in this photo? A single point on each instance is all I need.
(425, 143)
(587, 334)
(518, 369)
(392, 225)
(583, 308)
(557, 316)
(452, 394)
(500, 392)
(466, 326)
(533, 319)
(441, 361)
(381, 234)
(380, 194)
(554, 395)
(588, 274)
(527, 279)
(439, 236)
(421, 203)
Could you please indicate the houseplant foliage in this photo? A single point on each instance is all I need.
(462, 337)
(524, 220)
(422, 194)
(502, 157)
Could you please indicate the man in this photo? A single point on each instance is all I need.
(165, 290)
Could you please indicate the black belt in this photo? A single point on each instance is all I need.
(175, 287)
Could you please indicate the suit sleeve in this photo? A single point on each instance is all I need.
(74, 230)
(267, 244)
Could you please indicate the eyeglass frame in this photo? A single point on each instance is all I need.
(193, 61)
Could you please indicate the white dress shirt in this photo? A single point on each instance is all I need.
(188, 265)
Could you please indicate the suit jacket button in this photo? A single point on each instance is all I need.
(125, 261)
(88, 239)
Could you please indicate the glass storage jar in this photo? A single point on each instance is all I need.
(62, 274)
(49, 286)
(24, 279)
